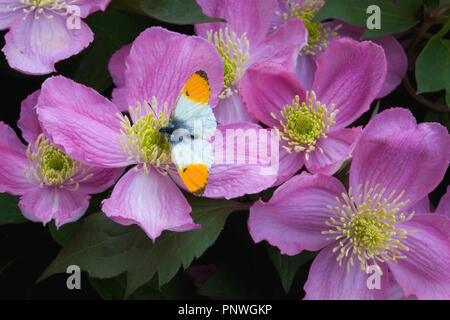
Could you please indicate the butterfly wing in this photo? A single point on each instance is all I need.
(193, 159)
(192, 110)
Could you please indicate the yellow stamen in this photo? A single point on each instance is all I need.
(304, 123)
(365, 227)
(235, 52)
(142, 140)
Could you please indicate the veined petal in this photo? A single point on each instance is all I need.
(266, 88)
(396, 59)
(33, 46)
(13, 155)
(8, 16)
(244, 163)
(337, 147)
(283, 45)
(160, 62)
(290, 164)
(444, 204)
(230, 110)
(295, 216)
(81, 122)
(28, 122)
(349, 75)
(424, 272)
(90, 6)
(45, 204)
(151, 201)
(422, 206)
(329, 281)
(305, 69)
(251, 16)
(102, 179)
(398, 154)
(116, 68)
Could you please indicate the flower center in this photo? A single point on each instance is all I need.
(234, 52)
(366, 227)
(304, 123)
(42, 7)
(318, 35)
(142, 140)
(49, 166)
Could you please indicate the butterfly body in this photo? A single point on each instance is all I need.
(191, 125)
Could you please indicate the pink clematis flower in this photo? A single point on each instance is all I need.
(395, 164)
(312, 125)
(51, 184)
(41, 32)
(320, 35)
(90, 128)
(243, 41)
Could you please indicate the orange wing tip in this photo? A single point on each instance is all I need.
(195, 177)
(197, 88)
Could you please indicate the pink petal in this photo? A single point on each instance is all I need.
(102, 179)
(283, 45)
(251, 16)
(13, 155)
(8, 16)
(45, 204)
(400, 155)
(444, 204)
(266, 88)
(396, 292)
(116, 68)
(397, 64)
(329, 281)
(231, 110)
(151, 201)
(33, 46)
(81, 122)
(396, 59)
(90, 6)
(349, 75)
(424, 272)
(337, 148)
(305, 69)
(290, 164)
(295, 216)
(28, 122)
(422, 206)
(243, 170)
(161, 61)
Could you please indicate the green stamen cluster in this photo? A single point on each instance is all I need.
(365, 227)
(234, 52)
(142, 140)
(318, 35)
(50, 166)
(304, 123)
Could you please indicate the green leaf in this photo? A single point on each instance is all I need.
(226, 283)
(433, 64)
(395, 16)
(9, 209)
(181, 287)
(100, 246)
(63, 234)
(173, 249)
(113, 29)
(106, 249)
(287, 266)
(177, 11)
